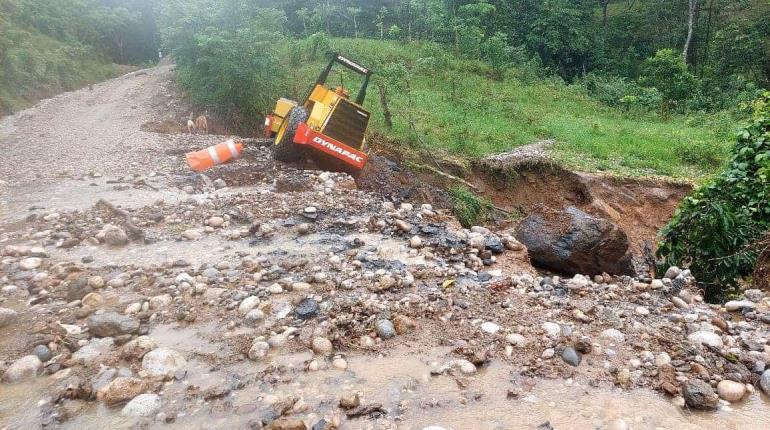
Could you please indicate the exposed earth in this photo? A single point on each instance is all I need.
(137, 294)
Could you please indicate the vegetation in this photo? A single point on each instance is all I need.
(469, 209)
(46, 47)
(716, 231)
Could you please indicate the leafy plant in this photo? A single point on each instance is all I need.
(668, 72)
(715, 228)
(469, 209)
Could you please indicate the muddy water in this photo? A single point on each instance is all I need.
(403, 384)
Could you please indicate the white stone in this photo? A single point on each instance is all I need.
(705, 338)
(31, 263)
(163, 362)
(553, 330)
(143, 405)
(730, 390)
(248, 304)
(613, 335)
(490, 327)
(258, 350)
(516, 340)
(25, 368)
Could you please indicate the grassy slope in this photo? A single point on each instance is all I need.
(481, 116)
(41, 67)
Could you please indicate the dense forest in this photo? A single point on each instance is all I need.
(48, 47)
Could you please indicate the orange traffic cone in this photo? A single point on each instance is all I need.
(214, 155)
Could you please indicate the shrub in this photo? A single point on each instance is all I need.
(715, 229)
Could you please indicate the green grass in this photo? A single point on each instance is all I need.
(458, 109)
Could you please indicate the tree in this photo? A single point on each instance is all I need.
(667, 72)
(354, 12)
(304, 15)
(692, 10)
(380, 21)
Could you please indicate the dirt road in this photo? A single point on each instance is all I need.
(262, 295)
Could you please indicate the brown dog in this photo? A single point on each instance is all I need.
(202, 124)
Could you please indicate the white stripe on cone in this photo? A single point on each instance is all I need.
(214, 156)
(232, 148)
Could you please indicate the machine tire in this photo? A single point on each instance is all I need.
(286, 150)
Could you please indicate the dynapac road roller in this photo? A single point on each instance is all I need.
(328, 126)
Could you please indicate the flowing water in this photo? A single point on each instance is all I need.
(402, 383)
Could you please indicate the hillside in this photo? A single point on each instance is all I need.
(459, 109)
(46, 49)
(37, 66)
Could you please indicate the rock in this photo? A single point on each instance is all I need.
(248, 304)
(163, 362)
(385, 329)
(764, 382)
(192, 234)
(111, 324)
(465, 366)
(403, 324)
(516, 340)
(477, 242)
(574, 242)
(490, 327)
(219, 184)
(705, 338)
(571, 357)
(415, 242)
(113, 236)
(672, 272)
(7, 317)
(662, 359)
(43, 353)
(122, 389)
(27, 367)
(678, 302)
(739, 305)
(322, 346)
(618, 424)
(93, 300)
(143, 405)
(754, 295)
(641, 310)
(31, 263)
(160, 302)
(254, 316)
(215, 221)
(613, 335)
(303, 228)
(350, 402)
(306, 309)
(287, 423)
(310, 212)
(548, 353)
(699, 395)
(403, 226)
(340, 363)
(258, 350)
(552, 330)
(137, 348)
(94, 350)
(730, 390)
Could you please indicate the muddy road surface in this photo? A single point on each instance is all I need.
(136, 294)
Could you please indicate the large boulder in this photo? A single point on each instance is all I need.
(571, 242)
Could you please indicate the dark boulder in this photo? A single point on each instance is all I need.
(571, 242)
